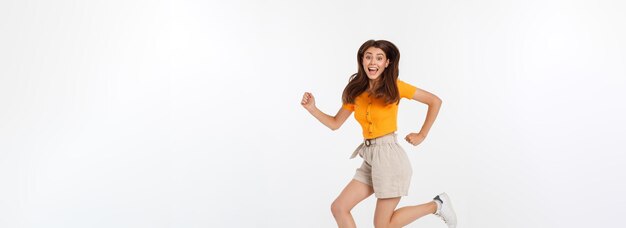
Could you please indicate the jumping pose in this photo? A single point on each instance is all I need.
(373, 94)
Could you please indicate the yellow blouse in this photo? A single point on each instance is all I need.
(375, 117)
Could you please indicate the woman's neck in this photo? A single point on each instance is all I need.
(373, 84)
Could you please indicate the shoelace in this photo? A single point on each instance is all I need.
(442, 218)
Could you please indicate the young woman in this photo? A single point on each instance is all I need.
(373, 94)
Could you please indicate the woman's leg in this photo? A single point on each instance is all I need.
(351, 195)
(384, 212)
(386, 217)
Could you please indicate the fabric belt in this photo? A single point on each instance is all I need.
(385, 139)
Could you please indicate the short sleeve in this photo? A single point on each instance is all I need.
(406, 90)
(348, 106)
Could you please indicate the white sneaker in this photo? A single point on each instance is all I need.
(444, 210)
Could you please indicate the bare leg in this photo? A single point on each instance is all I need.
(351, 195)
(384, 212)
(386, 217)
(408, 214)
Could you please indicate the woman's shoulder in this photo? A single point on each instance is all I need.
(406, 90)
(401, 83)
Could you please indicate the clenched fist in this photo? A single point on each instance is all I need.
(415, 138)
(308, 101)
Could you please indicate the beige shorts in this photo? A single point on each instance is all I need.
(385, 167)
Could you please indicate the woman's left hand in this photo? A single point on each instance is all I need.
(415, 138)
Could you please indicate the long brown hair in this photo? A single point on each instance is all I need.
(359, 82)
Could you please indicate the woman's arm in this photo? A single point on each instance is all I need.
(332, 122)
(434, 104)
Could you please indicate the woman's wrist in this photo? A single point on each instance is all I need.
(311, 109)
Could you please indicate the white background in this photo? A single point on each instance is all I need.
(186, 113)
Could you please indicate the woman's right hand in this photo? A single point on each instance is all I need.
(308, 101)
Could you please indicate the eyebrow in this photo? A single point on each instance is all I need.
(376, 54)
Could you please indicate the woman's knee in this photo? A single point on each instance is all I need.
(380, 224)
(385, 223)
(339, 208)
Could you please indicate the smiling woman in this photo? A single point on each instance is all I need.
(373, 94)
(374, 64)
(375, 58)
(137, 113)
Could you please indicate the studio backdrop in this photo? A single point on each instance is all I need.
(187, 113)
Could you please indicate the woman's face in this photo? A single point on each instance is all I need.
(374, 62)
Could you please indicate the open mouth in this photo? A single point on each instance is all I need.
(372, 70)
